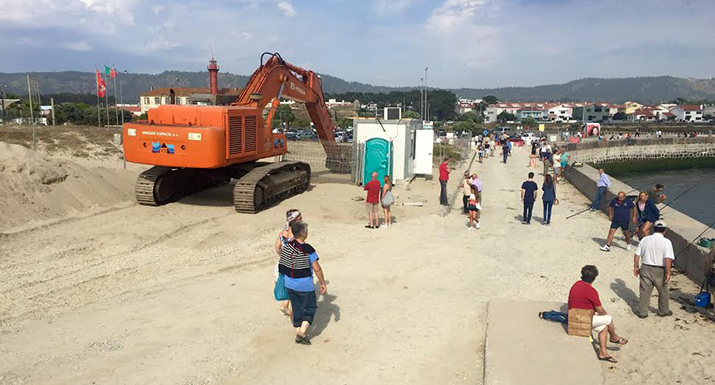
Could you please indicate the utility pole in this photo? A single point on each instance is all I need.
(425, 88)
(2, 103)
(32, 117)
(422, 100)
(52, 104)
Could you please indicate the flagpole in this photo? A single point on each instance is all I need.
(116, 106)
(106, 105)
(99, 116)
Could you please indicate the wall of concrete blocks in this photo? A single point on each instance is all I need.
(641, 152)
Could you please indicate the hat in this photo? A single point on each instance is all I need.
(660, 224)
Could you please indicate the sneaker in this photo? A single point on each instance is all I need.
(628, 247)
(476, 227)
(605, 248)
(668, 314)
(470, 228)
(641, 316)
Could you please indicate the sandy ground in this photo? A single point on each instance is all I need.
(182, 294)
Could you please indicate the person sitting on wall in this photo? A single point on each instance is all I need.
(584, 296)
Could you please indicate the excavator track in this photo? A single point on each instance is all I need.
(266, 185)
(161, 185)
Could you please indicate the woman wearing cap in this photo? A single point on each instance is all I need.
(285, 236)
(648, 213)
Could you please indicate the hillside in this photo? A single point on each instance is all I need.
(642, 89)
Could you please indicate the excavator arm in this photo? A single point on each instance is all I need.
(276, 79)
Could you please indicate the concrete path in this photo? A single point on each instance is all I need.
(524, 349)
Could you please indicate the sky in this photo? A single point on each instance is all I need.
(464, 43)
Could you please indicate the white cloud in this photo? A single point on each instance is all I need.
(388, 7)
(79, 46)
(157, 9)
(286, 8)
(465, 31)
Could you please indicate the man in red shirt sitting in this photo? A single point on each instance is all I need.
(372, 201)
(583, 296)
(443, 178)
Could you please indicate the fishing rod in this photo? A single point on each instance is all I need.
(683, 193)
(581, 212)
(695, 239)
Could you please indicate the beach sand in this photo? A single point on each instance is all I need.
(182, 294)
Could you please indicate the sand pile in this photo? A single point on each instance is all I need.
(36, 188)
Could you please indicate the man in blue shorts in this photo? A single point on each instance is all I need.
(622, 213)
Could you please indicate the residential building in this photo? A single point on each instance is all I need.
(560, 112)
(595, 112)
(181, 95)
(331, 103)
(688, 113)
(536, 113)
(631, 107)
(708, 112)
(467, 105)
(134, 109)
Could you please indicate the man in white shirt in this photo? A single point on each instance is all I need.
(656, 256)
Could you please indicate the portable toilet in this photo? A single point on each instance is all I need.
(385, 146)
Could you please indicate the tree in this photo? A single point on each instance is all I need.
(71, 112)
(465, 125)
(620, 116)
(505, 116)
(490, 99)
(345, 123)
(301, 123)
(470, 116)
(283, 114)
(529, 122)
(441, 104)
(410, 115)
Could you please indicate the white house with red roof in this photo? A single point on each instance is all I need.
(688, 113)
(559, 112)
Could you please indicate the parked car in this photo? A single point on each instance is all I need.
(504, 130)
(292, 135)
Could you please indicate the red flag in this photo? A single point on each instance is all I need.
(101, 86)
(113, 73)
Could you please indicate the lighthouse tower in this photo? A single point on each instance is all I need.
(213, 76)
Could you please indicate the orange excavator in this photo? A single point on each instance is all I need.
(193, 147)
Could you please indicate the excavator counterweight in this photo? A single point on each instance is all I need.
(196, 147)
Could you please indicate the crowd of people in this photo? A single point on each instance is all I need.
(298, 261)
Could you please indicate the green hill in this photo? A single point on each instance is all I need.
(642, 89)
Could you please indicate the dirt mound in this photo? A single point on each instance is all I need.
(36, 188)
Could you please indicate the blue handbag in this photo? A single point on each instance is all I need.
(702, 299)
(279, 291)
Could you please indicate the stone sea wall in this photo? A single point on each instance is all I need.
(641, 149)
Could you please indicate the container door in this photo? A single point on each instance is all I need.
(377, 158)
(424, 144)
